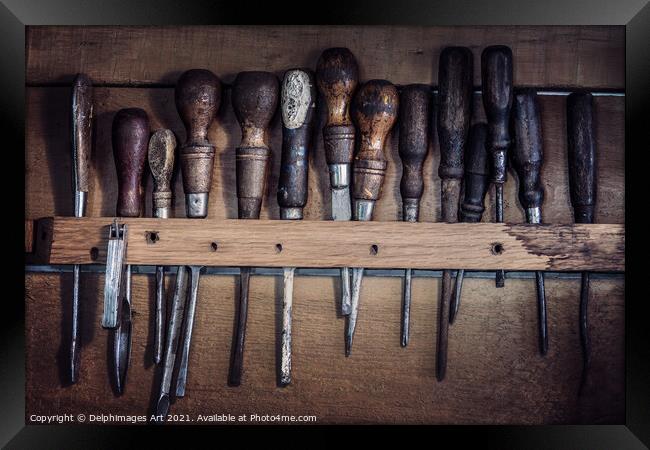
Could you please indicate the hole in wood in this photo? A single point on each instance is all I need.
(497, 248)
(152, 237)
(94, 253)
(374, 249)
(214, 246)
(278, 248)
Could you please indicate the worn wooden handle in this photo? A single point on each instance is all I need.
(82, 116)
(477, 172)
(527, 156)
(582, 155)
(162, 147)
(414, 114)
(298, 104)
(254, 99)
(130, 136)
(496, 75)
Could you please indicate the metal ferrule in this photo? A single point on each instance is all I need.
(196, 205)
(363, 209)
(291, 213)
(163, 213)
(80, 203)
(339, 175)
(534, 215)
(411, 209)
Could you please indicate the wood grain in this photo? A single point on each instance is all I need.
(551, 56)
(494, 374)
(49, 191)
(599, 247)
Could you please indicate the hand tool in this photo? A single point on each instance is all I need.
(496, 74)
(130, 136)
(414, 112)
(162, 146)
(254, 99)
(337, 76)
(82, 117)
(197, 96)
(477, 171)
(298, 105)
(454, 114)
(376, 106)
(527, 159)
(582, 185)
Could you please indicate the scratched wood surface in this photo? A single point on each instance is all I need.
(494, 373)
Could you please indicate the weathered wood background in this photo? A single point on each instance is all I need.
(494, 374)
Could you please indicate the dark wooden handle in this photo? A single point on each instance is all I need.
(414, 114)
(197, 96)
(527, 156)
(477, 172)
(82, 116)
(162, 147)
(496, 75)
(337, 76)
(455, 109)
(375, 110)
(582, 155)
(130, 136)
(298, 105)
(254, 99)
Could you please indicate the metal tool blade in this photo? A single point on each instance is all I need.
(455, 299)
(160, 315)
(357, 277)
(115, 258)
(406, 308)
(541, 312)
(74, 338)
(342, 210)
(287, 306)
(443, 326)
(584, 330)
(122, 338)
(237, 357)
(181, 380)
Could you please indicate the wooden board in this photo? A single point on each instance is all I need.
(551, 56)
(309, 243)
(494, 375)
(48, 172)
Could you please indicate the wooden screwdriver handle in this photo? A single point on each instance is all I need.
(582, 155)
(496, 75)
(162, 147)
(298, 104)
(337, 76)
(454, 116)
(254, 99)
(130, 136)
(477, 172)
(414, 113)
(375, 111)
(527, 156)
(82, 116)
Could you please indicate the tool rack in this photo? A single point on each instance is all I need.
(494, 374)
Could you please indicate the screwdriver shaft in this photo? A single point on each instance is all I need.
(541, 312)
(455, 299)
(74, 338)
(584, 330)
(443, 325)
(357, 277)
(287, 305)
(406, 308)
(237, 363)
(160, 314)
(181, 380)
(122, 338)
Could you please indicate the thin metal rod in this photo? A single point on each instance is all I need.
(357, 277)
(443, 325)
(122, 338)
(455, 299)
(346, 302)
(500, 275)
(287, 306)
(406, 308)
(159, 326)
(541, 313)
(584, 330)
(75, 350)
(181, 380)
(237, 358)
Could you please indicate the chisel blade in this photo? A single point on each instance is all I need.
(342, 210)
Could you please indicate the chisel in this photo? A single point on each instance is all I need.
(475, 185)
(298, 105)
(197, 96)
(496, 74)
(414, 112)
(162, 146)
(130, 136)
(375, 110)
(454, 114)
(82, 117)
(337, 76)
(527, 159)
(582, 185)
(254, 99)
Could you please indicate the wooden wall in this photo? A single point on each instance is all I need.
(494, 373)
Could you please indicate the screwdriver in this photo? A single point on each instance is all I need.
(414, 111)
(496, 74)
(375, 111)
(527, 160)
(197, 96)
(477, 171)
(582, 185)
(162, 146)
(254, 99)
(454, 115)
(337, 76)
(82, 116)
(130, 136)
(298, 105)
